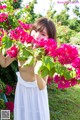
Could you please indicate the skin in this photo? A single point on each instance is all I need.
(39, 35)
(27, 73)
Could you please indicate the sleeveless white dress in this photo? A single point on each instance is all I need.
(30, 102)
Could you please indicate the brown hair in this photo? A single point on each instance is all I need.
(42, 23)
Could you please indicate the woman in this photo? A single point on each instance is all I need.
(31, 98)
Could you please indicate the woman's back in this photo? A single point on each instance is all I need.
(26, 72)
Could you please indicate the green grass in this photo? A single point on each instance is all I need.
(64, 104)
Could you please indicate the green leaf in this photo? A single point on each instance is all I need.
(48, 62)
(44, 72)
(24, 54)
(63, 70)
(29, 61)
(73, 73)
(6, 42)
(51, 72)
(59, 68)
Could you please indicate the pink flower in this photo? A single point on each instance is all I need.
(70, 69)
(73, 82)
(24, 25)
(9, 89)
(62, 82)
(10, 106)
(56, 79)
(3, 17)
(14, 0)
(0, 91)
(12, 51)
(9, 27)
(3, 6)
(27, 6)
(78, 73)
(50, 79)
(67, 53)
(16, 33)
(49, 45)
(76, 63)
(29, 39)
(20, 35)
(40, 42)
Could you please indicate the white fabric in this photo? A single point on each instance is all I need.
(31, 103)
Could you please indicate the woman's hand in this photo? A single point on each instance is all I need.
(2, 59)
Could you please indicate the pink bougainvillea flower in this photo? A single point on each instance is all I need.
(56, 79)
(0, 91)
(73, 82)
(76, 63)
(77, 73)
(39, 43)
(50, 79)
(3, 6)
(10, 106)
(49, 45)
(69, 69)
(16, 33)
(14, 0)
(63, 83)
(12, 51)
(27, 6)
(24, 25)
(20, 35)
(29, 39)
(67, 53)
(9, 89)
(3, 17)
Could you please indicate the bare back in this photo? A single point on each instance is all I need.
(26, 72)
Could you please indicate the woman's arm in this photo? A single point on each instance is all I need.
(41, 81)
(5, 61)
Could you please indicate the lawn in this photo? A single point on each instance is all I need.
(64, 104)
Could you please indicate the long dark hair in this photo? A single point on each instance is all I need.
(43, 23)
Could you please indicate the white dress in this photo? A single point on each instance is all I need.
(31, 103)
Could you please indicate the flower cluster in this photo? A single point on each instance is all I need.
(9, 89)
(12, 52)
(24, 25)
(63, 83)
(50, 46)
(50, 58)
(76, 65)
(19, 34)
(3, 17)
(66, 53)
(10, 106)
(3, 6)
